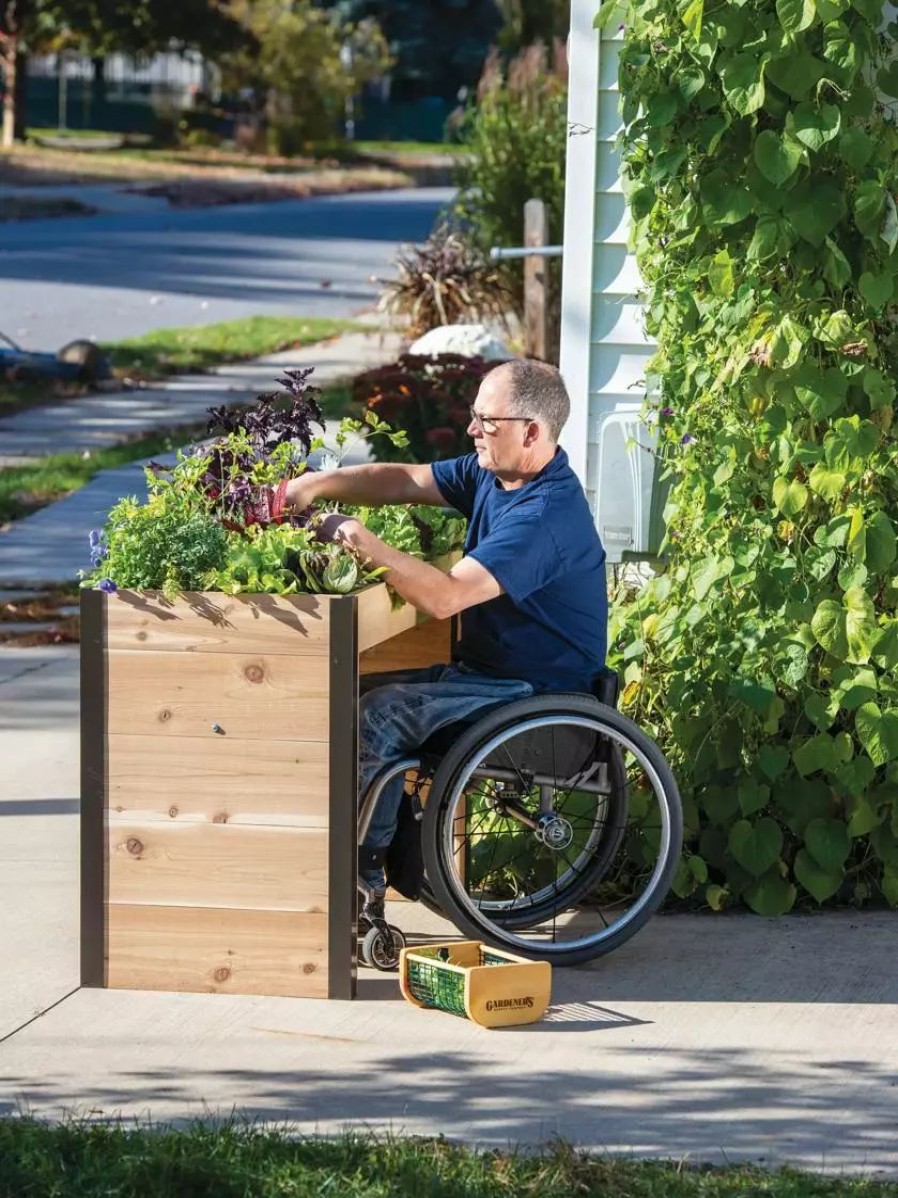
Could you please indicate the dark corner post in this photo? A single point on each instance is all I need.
(344, 780)
(93, 788)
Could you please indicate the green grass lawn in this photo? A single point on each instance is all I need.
(408, 147)
(74, 134)
(24, 489)
(183, 350)
(78, 1161)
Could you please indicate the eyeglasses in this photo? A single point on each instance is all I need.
(490, 424)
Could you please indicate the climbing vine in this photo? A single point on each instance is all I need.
(761, 167)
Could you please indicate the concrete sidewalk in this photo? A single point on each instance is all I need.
(712, 1038)
(50, 547)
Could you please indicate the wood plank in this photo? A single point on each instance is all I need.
(221, 951)
(250, 696)
(218, 779)
(536, 280)
(378, 619)
(218, 865)
(209, 622)
(424, 645)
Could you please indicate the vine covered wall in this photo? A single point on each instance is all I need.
(759, 150)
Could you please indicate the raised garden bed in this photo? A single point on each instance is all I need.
(219, 776)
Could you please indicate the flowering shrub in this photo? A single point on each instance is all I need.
(216, 520)
(428, 397)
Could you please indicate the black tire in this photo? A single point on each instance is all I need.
(486, 919)
(377, 953)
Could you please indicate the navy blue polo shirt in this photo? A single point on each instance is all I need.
(540, 543)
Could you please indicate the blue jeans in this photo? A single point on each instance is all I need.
(398, 712)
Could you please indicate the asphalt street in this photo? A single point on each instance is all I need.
(119, 275)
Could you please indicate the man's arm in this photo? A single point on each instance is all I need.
(425, 587)
(374, 484)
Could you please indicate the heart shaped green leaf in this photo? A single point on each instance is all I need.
(796, 15)
(790, 496)
(770, 895)
(876, 289)
(828, 842)
(818, 882)
(814, 127)
(773, 759)
(878, 732)
(778, 158)
(756, 846)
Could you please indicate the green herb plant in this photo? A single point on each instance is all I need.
(216, 520)
(761, 168)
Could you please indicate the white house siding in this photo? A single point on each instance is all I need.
(604, 349)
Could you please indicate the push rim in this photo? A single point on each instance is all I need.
(504, 917)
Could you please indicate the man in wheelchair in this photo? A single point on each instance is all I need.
(530, 589)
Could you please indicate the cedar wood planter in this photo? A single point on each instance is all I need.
(219, 768)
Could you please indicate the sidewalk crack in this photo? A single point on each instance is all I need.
(39, 1015)
(27, 670)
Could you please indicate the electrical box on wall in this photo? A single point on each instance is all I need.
(623, 483)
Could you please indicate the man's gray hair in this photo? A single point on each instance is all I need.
(537, 389)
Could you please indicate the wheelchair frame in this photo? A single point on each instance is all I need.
(476, 734)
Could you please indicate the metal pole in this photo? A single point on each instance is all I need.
(501, 254)
(63, 92)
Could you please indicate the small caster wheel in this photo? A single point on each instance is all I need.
(377, 951)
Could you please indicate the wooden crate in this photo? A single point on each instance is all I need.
(219, 776)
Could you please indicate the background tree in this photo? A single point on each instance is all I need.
(98, 27)
(295, 67)
(529, 21)
(438, 47)
(101, 27)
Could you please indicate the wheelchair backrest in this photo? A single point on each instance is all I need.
(561, 752)
(606, 687)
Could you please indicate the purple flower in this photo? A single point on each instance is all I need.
(97, 549)
(107, 585)
(667, 411)
(687, 439)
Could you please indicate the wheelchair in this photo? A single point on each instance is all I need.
(552, 828)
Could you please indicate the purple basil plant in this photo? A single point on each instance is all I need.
(267, 427)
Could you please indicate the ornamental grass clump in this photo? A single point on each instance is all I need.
(447, 280)
(216, 520)
(761, 169)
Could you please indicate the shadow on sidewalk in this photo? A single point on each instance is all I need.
(720, 1104)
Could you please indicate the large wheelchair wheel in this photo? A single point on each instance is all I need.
(553, 829)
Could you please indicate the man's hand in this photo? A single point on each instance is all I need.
(340, 529)
(303, 491)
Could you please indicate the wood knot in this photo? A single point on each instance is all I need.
(134, 846)
(173, 812)
(308, 967)
(141, 636)
(165, 715)
(222, 974)
(254, 673)
(221, 817)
